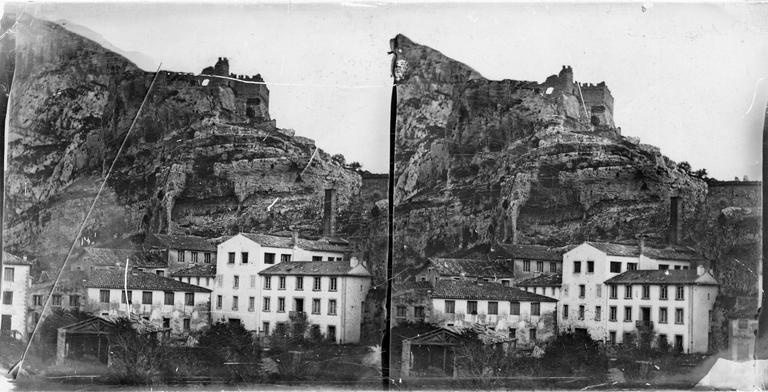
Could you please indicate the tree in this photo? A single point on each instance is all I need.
(339, 158)
(484, 365)
(685, 167)
(229, 342)
(355, 166)
(574, 354)
(137, 358)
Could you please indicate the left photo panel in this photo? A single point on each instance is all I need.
(193, 194)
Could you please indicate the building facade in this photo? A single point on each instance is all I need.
(546, 284)
(466, 269)
(14, 284)
(529, 261)
(182, 251)
(203, 275)
(164, 301)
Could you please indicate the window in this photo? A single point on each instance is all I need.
(207, 282)
(663, 266)
(186, 324)
(331, 335)
(146, 297)
(590, 267)
(318, 258)
(612, 337)
(504, 282)
(315, 306)
(235, 302)
(56, 300)
(194, 257)
(244, 257)
(472, 307)
(281, 283)
(513, 333)
(332, 306)
(628, 291)
(418, 312)
(8, 274)
(581, 312)
(285, 258)
(401, 311)
(646, 291)
(678, 316)
(160, 273)
(316, 283)
(333, 285)
(532, 334)
(197, 282)
(677, 267)
(614, 291)
(166, 322)
(582, 291)
(231, 259)
(269, 258)
(599, 290)
(493, 307)
(281, 304)
(168, 298)
(616, 266)
(189, 299)
(299, 283)
(680, 293)
(565, 311)
(218, 301)
(627, 313)
(552, 267)
(526, 266)
(662, 315)
(539, 266)
(251, 304)
(598, 313)
(207, 258)
(631, 266)
(236, 282)
(450, 306)
(535, 309)
(267, 282)
(253, 281)
(181, 255)
(37, 300)
(130, 296)
(612, 316)
(265, 304)
(265, 327)
(663, 292)
(577, 267)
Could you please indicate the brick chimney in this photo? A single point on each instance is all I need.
(329, 212)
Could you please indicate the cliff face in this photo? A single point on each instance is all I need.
(480, 161)
(193, 162)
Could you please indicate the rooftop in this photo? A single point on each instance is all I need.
(409, 288)
(324, 268)
(670, 252)
(688, 276)
(471, 268)
(545, 280)
(138, 280)
(197, 270)
(186, 242)
(9, 259)
(533, 252)
(116, 257)
(464, 289)
(324, 244)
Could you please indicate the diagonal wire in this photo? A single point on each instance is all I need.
(17, 367)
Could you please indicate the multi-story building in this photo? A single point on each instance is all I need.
(14, 283)
(330, 293)
(411, 301)
(180, 306)
(545, 284)
(532, 260)
(468, 269)
(91, 258)
(525, 316)
(593, 302)
(182, 251)
(203, 275)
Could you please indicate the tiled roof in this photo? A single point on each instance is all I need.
(485, 334)
(276, 241)
(666, 253)
(197, 270)
(688, 276)
(412, 288)
(472, 268)
(545, 280)
(464, 289)
(9, 259)
(116, 257)
(138, 280)
(333, 268)
(186, 242)
(533, 252)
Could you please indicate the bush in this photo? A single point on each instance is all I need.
(137, 358)
(574, 354)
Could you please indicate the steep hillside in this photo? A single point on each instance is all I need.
(194, 163)
(480, 161)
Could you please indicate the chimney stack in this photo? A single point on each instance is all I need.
(642, 244)
(295, 239)
(354, 261)
(329, 212)
(675, 220)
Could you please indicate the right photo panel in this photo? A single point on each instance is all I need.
(577, 197)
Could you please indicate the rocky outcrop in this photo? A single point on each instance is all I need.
(481, 161)
(193, 162)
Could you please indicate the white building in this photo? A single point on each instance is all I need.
(525, 316)
(167, 302)
(14, 283)
(330, 293)
(203, 275)
(611, 311)
(544, 284)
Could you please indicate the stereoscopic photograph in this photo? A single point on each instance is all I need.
(383, 196)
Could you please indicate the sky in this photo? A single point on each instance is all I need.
(689, 78)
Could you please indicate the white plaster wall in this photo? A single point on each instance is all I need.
(19, 286)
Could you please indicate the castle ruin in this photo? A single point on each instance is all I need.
(251, 93)
(596, 99)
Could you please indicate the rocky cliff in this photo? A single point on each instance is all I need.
(192, 163)
(480, 161)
